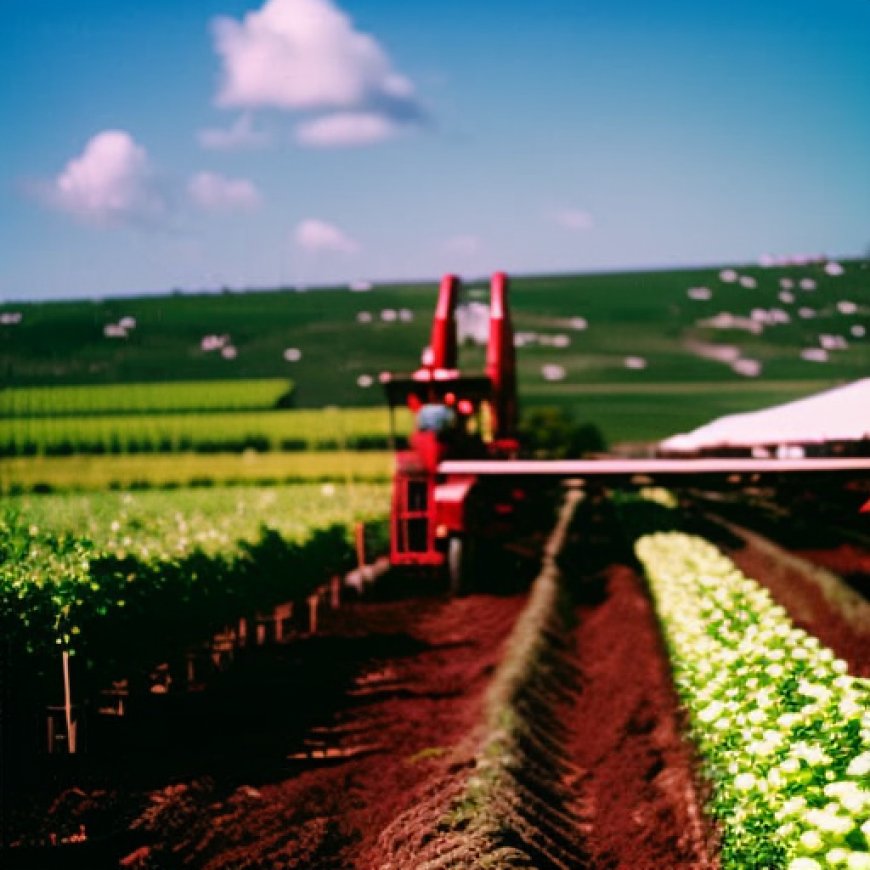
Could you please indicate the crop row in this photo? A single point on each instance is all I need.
(172, 524)
(137, 472)
(144, 577)
(144, 398)
(325, 429)
(783, 730)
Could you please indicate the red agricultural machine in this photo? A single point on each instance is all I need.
(461, 484)
(435, 517)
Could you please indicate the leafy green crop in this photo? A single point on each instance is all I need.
(143, 576)
(784, 731)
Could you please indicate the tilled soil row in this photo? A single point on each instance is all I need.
(310, 749)
(637, 796)
(505, 804)
(581, 762)
(357, 769)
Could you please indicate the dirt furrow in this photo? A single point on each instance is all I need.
(350, 776)
(636, 793)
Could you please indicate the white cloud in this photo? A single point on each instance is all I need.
(238, 136)
(306, 55)
(111, 183)
(317, 236)
(344, 129)
(574, 219)
(215, 193)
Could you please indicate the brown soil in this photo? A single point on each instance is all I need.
(352, 773)
(636, 795)
(350, 730)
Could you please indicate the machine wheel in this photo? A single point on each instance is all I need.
(459, 560)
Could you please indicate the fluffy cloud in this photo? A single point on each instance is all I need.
(344, 129)
(238, 136)
(574, 219)
(306, 55)
(215, 193)
(111, 183)
(318, 236)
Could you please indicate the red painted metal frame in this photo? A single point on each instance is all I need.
(657, 468)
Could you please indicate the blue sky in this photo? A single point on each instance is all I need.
(151, 146)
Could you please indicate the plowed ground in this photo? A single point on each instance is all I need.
(304, 753)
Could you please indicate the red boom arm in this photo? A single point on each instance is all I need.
(501, 361)
(443, 343)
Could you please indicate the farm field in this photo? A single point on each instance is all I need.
(124, 471)
(133, 398)
(623, 413)
(649, 684)
(75, 568)
(469, 726)
(207, 432)
(796, 328)
(210, 519)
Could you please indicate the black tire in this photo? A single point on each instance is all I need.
(459, 561)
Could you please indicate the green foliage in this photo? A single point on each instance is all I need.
(783, 730)
(139, 398)
(146, 575)
(551, 433)
(173, 470)
(208, 432)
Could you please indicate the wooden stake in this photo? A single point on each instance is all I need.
(243, 632)
(67, 706)
(313, 601)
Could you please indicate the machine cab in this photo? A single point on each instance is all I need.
(456, 416)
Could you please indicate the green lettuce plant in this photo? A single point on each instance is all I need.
(783, 729)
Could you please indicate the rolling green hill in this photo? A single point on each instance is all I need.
(642, 354)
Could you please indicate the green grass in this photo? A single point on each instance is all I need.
(634, 313)
(138, 398)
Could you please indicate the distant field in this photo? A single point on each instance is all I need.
(177, 396)
(43, 473)
(211, 432)
(642, 314)
(642, 355)
(625, 413)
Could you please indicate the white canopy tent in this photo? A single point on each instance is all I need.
(839, 414)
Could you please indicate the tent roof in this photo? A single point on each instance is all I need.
(840, 414)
